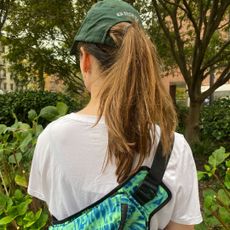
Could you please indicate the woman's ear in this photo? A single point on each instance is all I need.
(85, 66)
(85, 61)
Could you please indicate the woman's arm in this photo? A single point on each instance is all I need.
(175, 226)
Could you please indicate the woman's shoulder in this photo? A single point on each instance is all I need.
(67, 121)
(73, 125)
(57, 126)
(181, 162)
(180, 152)
(180, 146)
(76, 118)
(181, 156)
(181, 149)
(63, 120)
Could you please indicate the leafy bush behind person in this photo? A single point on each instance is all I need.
(21, 102)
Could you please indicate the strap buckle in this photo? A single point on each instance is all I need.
(146, 191)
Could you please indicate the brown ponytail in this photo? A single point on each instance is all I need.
(132, 98)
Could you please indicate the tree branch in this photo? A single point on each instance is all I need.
(191, 18)
(223, 78)
(214, 67)
(176, 4)
(165, 29)
(180, 44)
(225, 24)
(216, 16)
(205, 12)
(216, 58)
(213, 12)
(4, 10)
(182, 17)
(197, 28)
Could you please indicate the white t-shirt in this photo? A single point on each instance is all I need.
(67, 171)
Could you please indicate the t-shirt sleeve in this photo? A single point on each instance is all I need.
(187, 205)
(35, 187)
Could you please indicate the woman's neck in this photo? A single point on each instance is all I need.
(92, 108)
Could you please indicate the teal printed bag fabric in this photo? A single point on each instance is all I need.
(119, 209)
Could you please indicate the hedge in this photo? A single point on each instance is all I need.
(19, 103)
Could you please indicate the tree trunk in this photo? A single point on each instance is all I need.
(192, 129)
(211, 83)
(41, 80)
(172, 92)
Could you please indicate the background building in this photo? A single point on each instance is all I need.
(6, 77)
(7, 83)
(176, 86)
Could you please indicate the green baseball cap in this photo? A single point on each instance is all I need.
(100, 18)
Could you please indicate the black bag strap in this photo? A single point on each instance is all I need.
(148, 188)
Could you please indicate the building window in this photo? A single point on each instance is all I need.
(2, 48)
(2, 74)
(4, 86)
(12, 86)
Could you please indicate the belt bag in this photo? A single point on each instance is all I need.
(128, 206)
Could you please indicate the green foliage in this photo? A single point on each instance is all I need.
(6, 7)
(204, 148)
(215, 121)
(182, 113)
(17, 143)
(14, 212)
(216, 205)
(22, 102)
(51, 113)
(214, 126)
(39, 36)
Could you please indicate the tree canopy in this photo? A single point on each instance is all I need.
(5, 7)
(39, 35)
